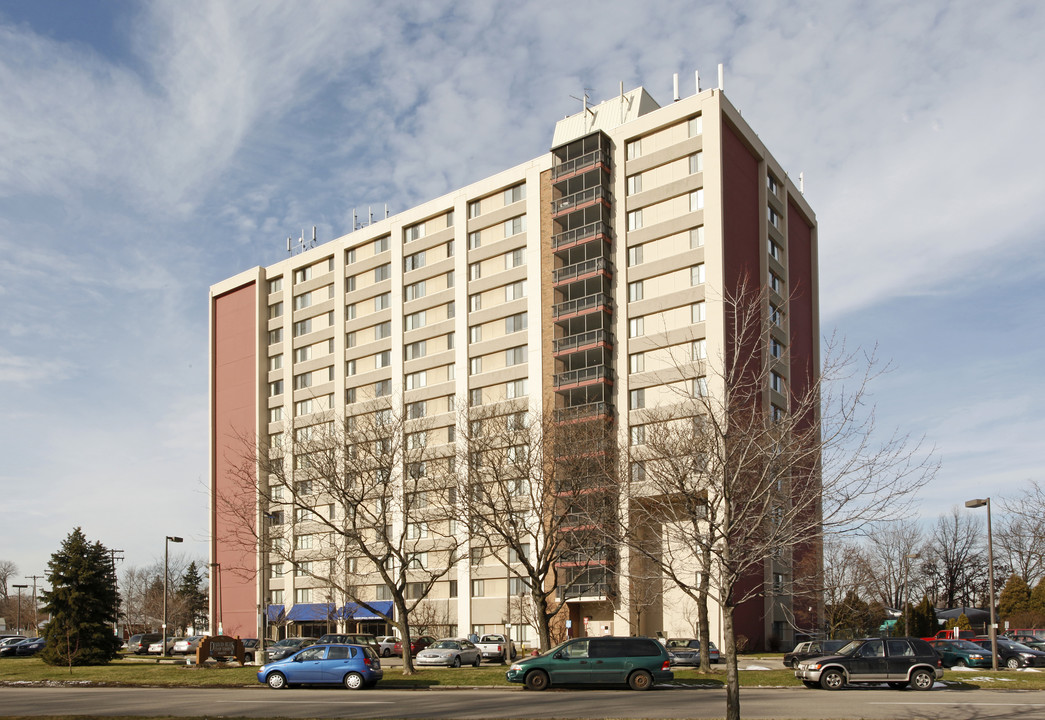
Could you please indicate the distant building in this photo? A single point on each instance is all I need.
(546, 283)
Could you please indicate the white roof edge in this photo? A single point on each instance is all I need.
(605, 116)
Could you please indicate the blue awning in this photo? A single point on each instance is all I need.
(354, 611)
(312, 612)
(275, 613)
(319, 612)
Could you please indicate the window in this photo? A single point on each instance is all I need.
(518, 586)
(383, 592)
(513, 259)
(776, 283)
(696, 274)
(275, 285)
(302, 275)
(695, 126)
(696, 237)
(451, 308)
(637, 362)
(515, 194)
(635, 327)
(382, 301)
(276, 596)
(776, 381)
(302, 569)
(414, 262)
(635, 255)
(515, 355)
(638, 434)
(698, 312)
(696, 200)
(474, 208)
(350, 368)
(275, 311)
(416, 531)
(381, 245)
(350, 341)
(382, 388)
(475, 397)
(774, 250)
(303, 595)
(774, 218)
(303, 542)
(275, 362)
(776, 348)
(478, 588)
(515, 226)
(415, 291)
(417, 380)
(350, 256)
(696, 163)
(638, 471)
(351, 310)
(275, 336)
(635, 291)
(304, 300)
(453, 588)
(637, 399)
(414, 232)
(475, 271)
(515, 291)
(416, 410)
(634, 220)
(634, 184)
(383, 359)
(475, 302)
(475, 239)
(303, 380)
(776, 315)
(476, 555)
(450, 341)
(700, 387)
(416, 350)
(475, 333)
(634, 149)
(275, 414)
(772, 185)
(383, 330)
(516, 555)
(350, 395)
(700, 350)
(303, 407)
(449, 248)
(475, 366)
(415, 320)
(275, 388)
(515, 323)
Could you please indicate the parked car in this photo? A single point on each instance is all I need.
(11, 640)
(962, 653)
(386, 643)
(1013, 655)
(187, 645)
(354, 666)
(497, 648)
(286, 647)
(638, 662)
(686, 651)
(812, 649)
(416, 645)
(898, 661)
(250, 649)
(139, 644)
(30, 647)
(11, 649)
(157, 648)
(452, 652)
(351, 639)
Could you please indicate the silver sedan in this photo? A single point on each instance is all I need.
(451, 652)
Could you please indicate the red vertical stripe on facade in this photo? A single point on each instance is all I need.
(234, 407)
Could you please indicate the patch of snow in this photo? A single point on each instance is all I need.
(754, 667)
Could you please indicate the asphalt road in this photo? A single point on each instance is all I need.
(486, 704)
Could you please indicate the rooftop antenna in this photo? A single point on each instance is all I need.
(802, 183)
(696, 77)
(386, 211)
(675, 84)
(721, 77)
(584, 102)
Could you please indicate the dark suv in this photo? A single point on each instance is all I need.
(139, 644)
(899, 662)
(638, 662)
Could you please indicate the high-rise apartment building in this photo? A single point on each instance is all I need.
(557, 287)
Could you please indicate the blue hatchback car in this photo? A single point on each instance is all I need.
(353, 666)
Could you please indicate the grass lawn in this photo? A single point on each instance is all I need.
(124, 672)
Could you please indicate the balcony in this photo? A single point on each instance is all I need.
(583, 412)
(592, 338)
(580, 305)
(582, 234)
(569, 273)
(587, 591)
(579, 164)
(580, 199)
(572, 378)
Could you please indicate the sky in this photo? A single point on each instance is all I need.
(151, 149)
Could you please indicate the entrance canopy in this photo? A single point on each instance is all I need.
(319, 612)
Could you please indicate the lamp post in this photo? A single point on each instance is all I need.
(166, 547)
(217, 592)
(980, 502)
(906, 592)
(263, 625)
(18, 611)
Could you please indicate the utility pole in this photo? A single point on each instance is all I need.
(36, 619)
(116, 583)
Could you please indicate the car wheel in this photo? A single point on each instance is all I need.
(477, 661)
(922, 680)
(959, 663)
(1012, 663)
(456, 662)
(386, 652)
(832, 680)
(277, 681)
(640, 680)
(897, 685)
(537, 680)
(811, 684)
(353, 681)
(794, 663)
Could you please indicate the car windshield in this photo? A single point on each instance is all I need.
(446, 645)
(965, 645)
(851, 647)
(289, 642)
(1018, 647)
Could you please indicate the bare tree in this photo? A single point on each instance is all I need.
(955, 560)
(845, 572)
(1019, 536)
(889, 564)
(359, 507)
(8, 570)
(538, 501)
(752, 467)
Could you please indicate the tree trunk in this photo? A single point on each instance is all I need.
(703, 623)
(732, 677)
(540, 601)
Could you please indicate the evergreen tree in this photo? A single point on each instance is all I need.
(1037, 598)
(923, 619)
(82, 604)
(192, 598)
(963, 622)
(1014, 598)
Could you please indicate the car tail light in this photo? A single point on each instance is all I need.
(666, 665)
(498, 648)
(366, 661)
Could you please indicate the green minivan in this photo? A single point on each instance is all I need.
(638, 662)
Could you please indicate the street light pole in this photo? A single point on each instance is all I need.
(166, 546)
(980, 502)
(18, 612)
(906, 592)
